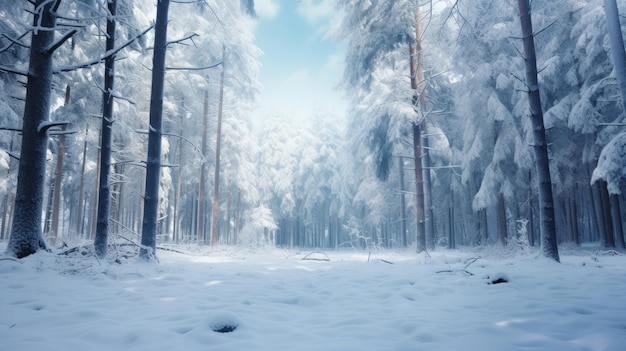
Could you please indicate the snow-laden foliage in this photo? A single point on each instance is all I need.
(612, 164)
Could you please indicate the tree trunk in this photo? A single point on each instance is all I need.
(501, 219)
(218, 138)
(202, 183)
(81, 188)
(608, 239)
(617, 221)
(58, 180)
(417, 86)
(26, 237)
(153, 163)
(544, 181)
(402, 204)
(106, 137)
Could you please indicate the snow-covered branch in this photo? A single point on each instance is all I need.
(45, 126)
(52, 48)
(193, 68)
(104, 57)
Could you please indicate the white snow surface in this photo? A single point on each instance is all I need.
(276, 301)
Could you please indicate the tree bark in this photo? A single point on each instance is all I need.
(58, 180)
(544, 181)
(153, 163)
(417, 79)
(106, 138)
(26, 237)
(218, 141)
(201, 192)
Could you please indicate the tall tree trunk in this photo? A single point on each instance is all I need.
(202, 182)
(417, 81)
(81, 189)
(94, 205)
(26, 237)
(106, 137)
(218, 140)
(58, 180)
(176, 231)
(402, 204)
(153, 163)
(544, 181)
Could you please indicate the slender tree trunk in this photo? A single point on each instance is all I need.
(58, 180)
(402, 204)
(216, 183)
(417, 86)
(178, 184)
(501, 219)
(26, 237)
(202, 184)
(153, 163)
(617, 221)
(544, 181)
(608, 239)
(94, 205)
(81, 189)
(106, 138)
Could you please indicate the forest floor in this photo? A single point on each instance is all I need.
(272, 299)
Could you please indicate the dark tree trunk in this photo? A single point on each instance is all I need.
(26, 237)
(544, 181)
(501, 220)
(608, 239)
(106, 137)
(153, 163)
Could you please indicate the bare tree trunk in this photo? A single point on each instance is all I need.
(106, 137)
(544, 181)
(58, 180)
(81, 189)
(402, 204)
(176, 232)
(201, 192)
(26, 237)
(501, 219)
(417, 81)
(94, 206)
(153, 163)
(608, 239)
(216, 183)
(617, 221)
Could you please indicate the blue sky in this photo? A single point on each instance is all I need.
(300, 69)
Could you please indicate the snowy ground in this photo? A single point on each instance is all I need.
(276, 301)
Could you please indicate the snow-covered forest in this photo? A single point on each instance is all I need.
(469, 198)
(455, 98)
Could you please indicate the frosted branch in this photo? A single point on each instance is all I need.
(186, 37)
(102, 58)
(14, 41)
(193, 68)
